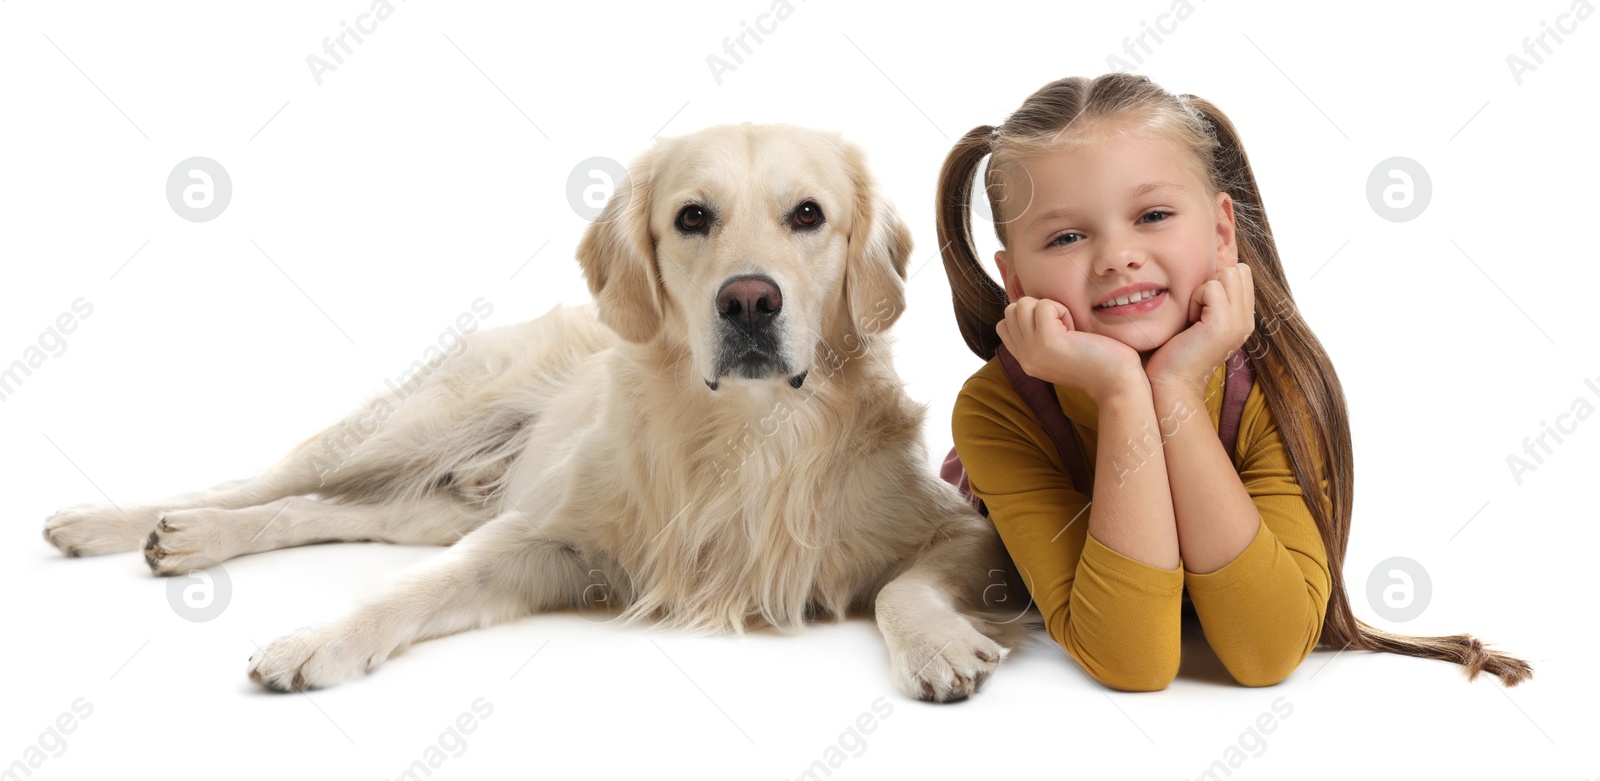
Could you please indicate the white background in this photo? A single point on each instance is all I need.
(429, 167)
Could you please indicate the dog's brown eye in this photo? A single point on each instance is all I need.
(806, 216)
(694, 219)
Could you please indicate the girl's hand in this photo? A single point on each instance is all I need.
(1222, 313)
(1040, 333)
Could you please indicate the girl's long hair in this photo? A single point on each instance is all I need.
(1297, 378)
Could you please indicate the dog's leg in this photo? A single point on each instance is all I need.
(94, 529)
(220, 534)
(505, 569)
(940, 618)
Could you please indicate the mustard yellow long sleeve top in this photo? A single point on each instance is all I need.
(1120, 619)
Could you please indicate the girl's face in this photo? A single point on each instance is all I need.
(1115, 217)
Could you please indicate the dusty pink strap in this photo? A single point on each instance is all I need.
(955, 474)
(1041, 397)
(1236, 390)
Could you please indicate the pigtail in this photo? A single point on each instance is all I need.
(1296, 375)
(979, 302)
(1305, 397)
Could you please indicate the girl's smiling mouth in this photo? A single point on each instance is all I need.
(1133, 303)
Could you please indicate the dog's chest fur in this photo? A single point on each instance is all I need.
(746, 521)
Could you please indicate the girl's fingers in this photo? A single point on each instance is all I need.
(1247, 299)
(1043, 313)
(1018, 324)
(1229, 281)
(1229, 277)
(1234, 282)
(1024, 319)
(1237, 284)
(1027, 318)
(1058, 312)
(1195, 298)
(1009, 332)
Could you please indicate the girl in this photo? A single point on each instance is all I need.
(1137, 257)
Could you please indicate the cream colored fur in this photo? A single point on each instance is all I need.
(584, 460)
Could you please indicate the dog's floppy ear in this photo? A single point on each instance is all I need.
(880, 246)
(619, 258)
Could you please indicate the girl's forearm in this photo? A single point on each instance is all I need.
(1132, 511)
(1216, 519)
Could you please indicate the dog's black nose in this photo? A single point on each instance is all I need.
(751, 300)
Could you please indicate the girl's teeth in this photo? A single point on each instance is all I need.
(1131, 299)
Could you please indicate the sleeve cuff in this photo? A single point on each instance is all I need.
(1137, 574)
(1255, 557)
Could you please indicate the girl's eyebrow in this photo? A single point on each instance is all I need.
(1150, 187)
(1058, 212)
(1137, 192)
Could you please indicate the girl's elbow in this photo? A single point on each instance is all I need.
(1267, 667)
(1270, 660)
(1137, 679)
(1146, 672)
(1269, 673)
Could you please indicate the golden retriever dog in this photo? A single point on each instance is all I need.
(718, 443)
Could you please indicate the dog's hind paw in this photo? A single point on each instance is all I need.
(95, 529)
(183, 535)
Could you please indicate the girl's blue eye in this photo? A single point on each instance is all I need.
(1160, 215)
(1058, 241)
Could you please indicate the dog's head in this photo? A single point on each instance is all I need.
(754, 244)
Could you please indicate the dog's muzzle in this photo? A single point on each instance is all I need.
(750, 332)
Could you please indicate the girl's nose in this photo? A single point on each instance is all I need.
(1118, 251)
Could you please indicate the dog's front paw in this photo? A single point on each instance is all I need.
(946, 666)
(94, 529)
(312, 658)
(941, 658)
